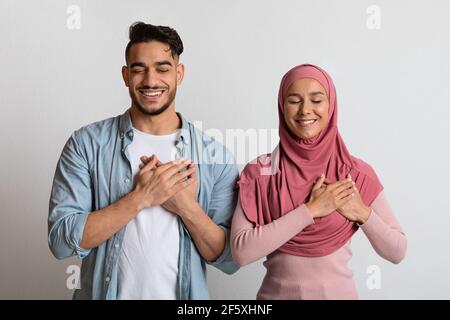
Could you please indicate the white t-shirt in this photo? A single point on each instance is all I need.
(148, 262)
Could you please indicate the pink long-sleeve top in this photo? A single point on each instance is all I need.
(296, 277)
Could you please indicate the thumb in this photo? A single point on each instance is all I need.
(157, 161)
(150, 164)
(319, 182)
(144, 159)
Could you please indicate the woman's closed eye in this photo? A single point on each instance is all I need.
(300, 101)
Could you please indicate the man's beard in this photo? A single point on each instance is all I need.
(135, 102)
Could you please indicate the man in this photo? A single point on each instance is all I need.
(124, 199)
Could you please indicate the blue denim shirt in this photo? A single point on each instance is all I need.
(94, 171)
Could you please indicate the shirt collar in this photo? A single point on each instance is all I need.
(126, 128)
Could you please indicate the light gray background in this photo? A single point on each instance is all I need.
(392, 86)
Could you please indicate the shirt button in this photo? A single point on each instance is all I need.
(130, 134)
(127, 180)
(107, 279)
(116, 246)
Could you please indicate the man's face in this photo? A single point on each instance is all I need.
(152, 76)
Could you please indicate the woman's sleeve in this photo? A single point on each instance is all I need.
(250, 243)
(384, 232)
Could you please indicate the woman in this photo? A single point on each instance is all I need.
(300, 205)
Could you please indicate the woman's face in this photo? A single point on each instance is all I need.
(306, 108)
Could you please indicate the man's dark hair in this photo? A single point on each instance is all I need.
(144, 32)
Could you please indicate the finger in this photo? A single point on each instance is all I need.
(342, 201)
(345, 193)
(182, 185)
(327, 181)
(149, 165)
(343, 188)
(180, 176)
(166, 166)
(192, 164)
(158, 162)
(337, 184)
(193, 175)
(145, 159)
(174, 168)
(337, 187)
(319, 182)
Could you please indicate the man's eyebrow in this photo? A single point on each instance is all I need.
(294, 94)
(138, 64)
(316, 93)
(164, 62)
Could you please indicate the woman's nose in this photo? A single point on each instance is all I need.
(305, 108)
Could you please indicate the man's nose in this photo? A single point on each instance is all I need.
(150, 79)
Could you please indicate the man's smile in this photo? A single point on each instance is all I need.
(151, 94)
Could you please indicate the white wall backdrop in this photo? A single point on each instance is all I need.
(60, 66)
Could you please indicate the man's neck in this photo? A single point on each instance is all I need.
(161, 124)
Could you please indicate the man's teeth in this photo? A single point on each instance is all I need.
(152, 93)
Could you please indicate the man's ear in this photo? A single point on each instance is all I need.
(125, 75)
(180, 73)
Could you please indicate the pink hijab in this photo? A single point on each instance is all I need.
(297, 164)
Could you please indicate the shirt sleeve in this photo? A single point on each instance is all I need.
(384, 232)
(221, 207)
(70, 202)
(250, 243)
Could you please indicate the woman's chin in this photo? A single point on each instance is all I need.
(307, 135)
(304, 134)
